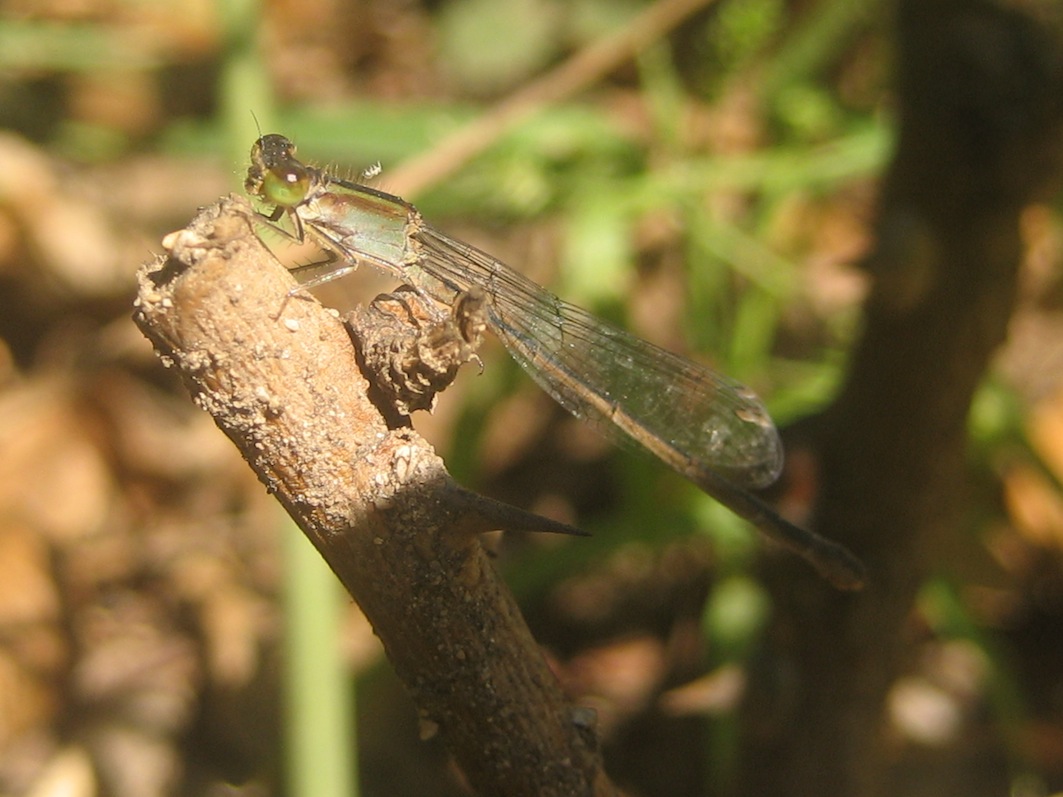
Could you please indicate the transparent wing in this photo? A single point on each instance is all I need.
(699, 422)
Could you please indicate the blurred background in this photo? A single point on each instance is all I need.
(163, 630)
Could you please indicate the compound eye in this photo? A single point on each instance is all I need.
(286, 187)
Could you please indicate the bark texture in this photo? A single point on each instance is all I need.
(281, 379)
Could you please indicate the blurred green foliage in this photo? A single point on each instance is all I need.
(646, 149)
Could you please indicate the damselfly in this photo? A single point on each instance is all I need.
(708, 428)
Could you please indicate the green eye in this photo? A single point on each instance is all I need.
(287, 188)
